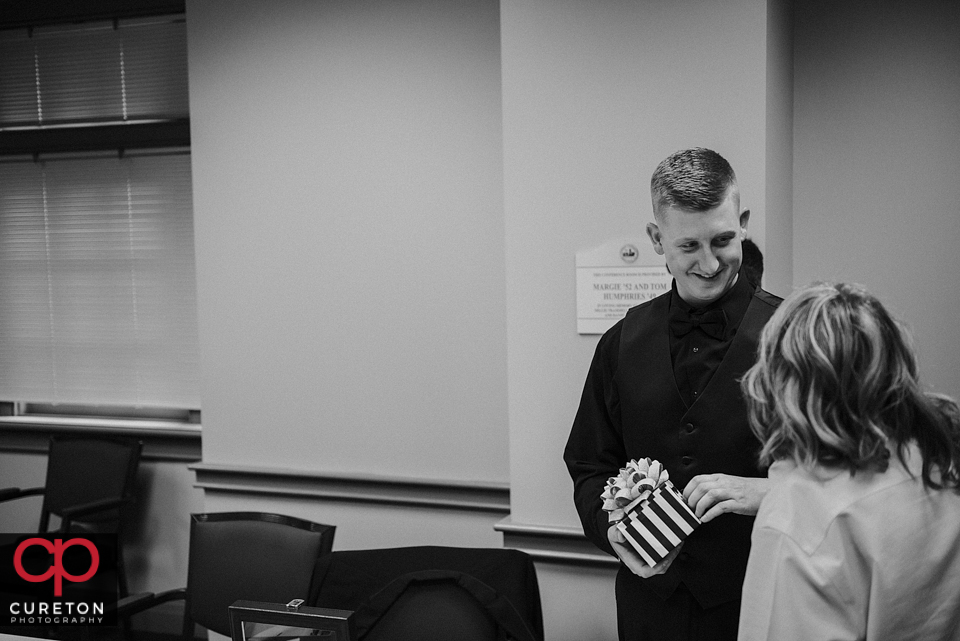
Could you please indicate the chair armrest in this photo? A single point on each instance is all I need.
(136, 603)
(12, 493)
(74, 512)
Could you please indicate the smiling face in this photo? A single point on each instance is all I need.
(702, 248)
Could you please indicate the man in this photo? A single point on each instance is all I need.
(664, 384)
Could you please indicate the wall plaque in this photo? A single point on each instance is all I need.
(613, 278)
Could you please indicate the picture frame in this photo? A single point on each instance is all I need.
(259, 621)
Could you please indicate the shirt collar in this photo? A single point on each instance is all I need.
(734, 302)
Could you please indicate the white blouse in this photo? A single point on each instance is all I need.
(873, 556)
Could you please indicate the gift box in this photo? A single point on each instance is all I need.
(658, 523)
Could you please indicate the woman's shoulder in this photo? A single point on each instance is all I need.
(797, 502)
(804, 503)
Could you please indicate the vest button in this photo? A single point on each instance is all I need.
(687, 460)
(690, 428)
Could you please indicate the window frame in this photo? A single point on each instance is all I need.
(27, 427)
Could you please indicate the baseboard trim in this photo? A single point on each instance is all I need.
(545, 543)
(553, 543)
(455, 495)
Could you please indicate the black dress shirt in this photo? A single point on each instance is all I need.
(696, 355)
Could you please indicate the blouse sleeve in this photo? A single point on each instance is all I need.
(790, 595)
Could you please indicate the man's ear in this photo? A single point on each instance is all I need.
(744, 219)
(655, 237)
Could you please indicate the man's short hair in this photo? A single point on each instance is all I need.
(692, 179)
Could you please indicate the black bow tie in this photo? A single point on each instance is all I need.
(713, 323)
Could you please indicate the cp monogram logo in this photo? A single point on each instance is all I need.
(56, 571)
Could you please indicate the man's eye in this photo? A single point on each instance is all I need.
(688, 247)
(722, 242)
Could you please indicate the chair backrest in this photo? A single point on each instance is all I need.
(434, 610)
(254, 556)
(82, 469)
(395, 592)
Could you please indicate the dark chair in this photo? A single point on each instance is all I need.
(433, 593)
(252, 556)
(89, 481)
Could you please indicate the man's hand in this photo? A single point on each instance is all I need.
(710, 495)
(632, 560)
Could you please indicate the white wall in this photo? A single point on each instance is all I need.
(158, 526)
(595, 95)
(778, 218)
(877, 200)
(362, 526)
(349, 235)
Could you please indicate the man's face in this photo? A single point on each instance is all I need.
(702, 249)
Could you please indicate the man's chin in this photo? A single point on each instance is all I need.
(704, 294)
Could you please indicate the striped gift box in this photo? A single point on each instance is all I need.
(659, 524)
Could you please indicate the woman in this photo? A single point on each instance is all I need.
(859, 534)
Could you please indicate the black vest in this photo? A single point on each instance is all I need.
(711, 436)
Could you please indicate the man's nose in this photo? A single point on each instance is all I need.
(709, 263)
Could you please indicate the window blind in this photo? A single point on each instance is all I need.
(100, 72)
(97, 282)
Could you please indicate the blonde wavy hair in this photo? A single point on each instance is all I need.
(836, 383)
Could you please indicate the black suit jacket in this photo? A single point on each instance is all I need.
(369, 581)
(631, 408)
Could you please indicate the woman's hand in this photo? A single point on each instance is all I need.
(710, 495)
